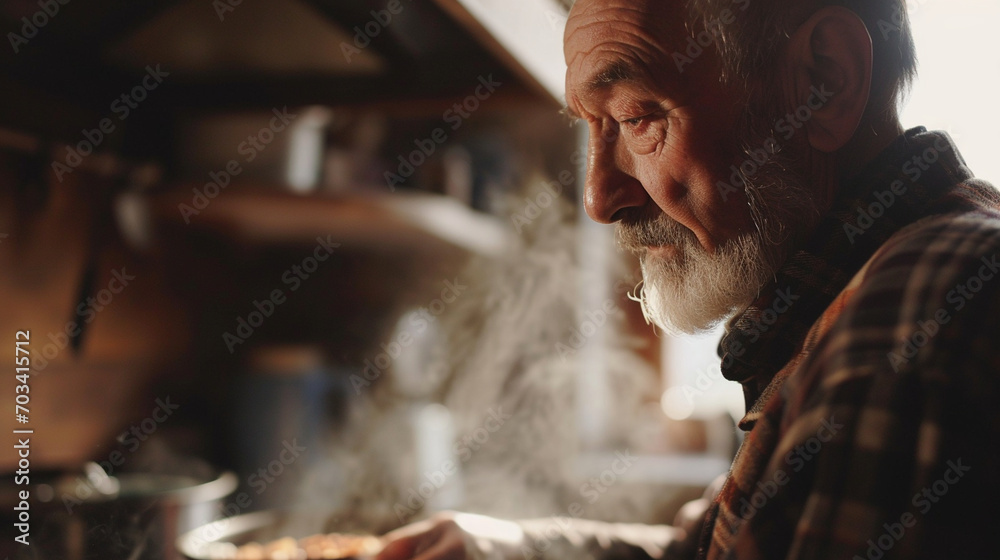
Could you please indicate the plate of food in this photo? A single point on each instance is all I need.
(269, 535)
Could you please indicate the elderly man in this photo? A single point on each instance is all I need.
(750, 153)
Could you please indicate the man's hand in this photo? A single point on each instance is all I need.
(437, 538)
(451, 536)
(465, 536)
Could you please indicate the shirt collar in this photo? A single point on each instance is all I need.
(913, 178)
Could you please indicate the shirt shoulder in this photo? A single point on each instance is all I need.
(939, 264)
(898, 393)
(929, 296)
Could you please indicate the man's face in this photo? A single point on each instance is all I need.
(663, 138)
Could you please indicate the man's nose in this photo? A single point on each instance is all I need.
(608, 189)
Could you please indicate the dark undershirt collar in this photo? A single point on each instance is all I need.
(911, 179)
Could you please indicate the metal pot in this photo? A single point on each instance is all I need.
(134, 516)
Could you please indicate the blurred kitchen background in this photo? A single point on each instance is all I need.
(327, 258)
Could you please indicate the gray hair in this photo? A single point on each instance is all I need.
(749, 45)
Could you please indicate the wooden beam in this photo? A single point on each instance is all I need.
(356, 14)
(250, 93)
(81, 29)
(526, 35)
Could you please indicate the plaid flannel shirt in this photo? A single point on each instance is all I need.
(871, 372)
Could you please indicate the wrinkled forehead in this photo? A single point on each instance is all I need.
(641, 34)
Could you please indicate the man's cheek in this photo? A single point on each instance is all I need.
(661, 174)
(710, 145)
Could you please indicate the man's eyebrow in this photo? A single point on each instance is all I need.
(612, 73)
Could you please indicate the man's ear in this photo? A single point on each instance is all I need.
(830, 71)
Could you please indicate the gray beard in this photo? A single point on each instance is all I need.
(696, 290)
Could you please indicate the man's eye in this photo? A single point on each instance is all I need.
(635, 121)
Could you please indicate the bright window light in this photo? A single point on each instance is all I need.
(959, 77)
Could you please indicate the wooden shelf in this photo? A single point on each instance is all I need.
(256, 215)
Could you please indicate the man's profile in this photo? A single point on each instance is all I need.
(750, 153)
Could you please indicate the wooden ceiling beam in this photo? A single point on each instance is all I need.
(526, 35)
(264, 93)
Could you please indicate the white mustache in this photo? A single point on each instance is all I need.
(637, 235)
